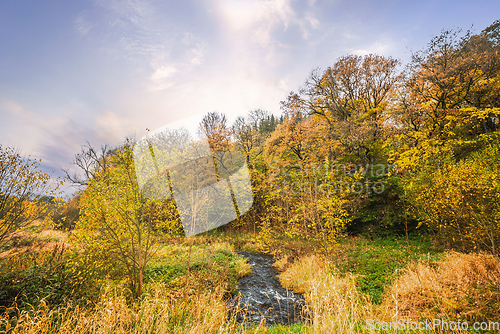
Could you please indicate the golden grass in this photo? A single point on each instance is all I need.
(34, 237)
(463, 286)
(243, 268)
(156, 312)
(166, 307)
(335, 303)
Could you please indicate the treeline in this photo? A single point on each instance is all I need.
(371, 146)
(366, 146)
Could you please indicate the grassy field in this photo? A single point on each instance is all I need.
(190, 280)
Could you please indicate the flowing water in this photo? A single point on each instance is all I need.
(261, 296)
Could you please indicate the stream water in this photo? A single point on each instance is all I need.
(261, 295)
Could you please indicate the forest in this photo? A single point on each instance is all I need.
(376, 192)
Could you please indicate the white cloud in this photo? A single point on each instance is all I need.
(111, 127)
(381, 47)
(11, 107)
(82, 25)
(39, 134)
(259, 20)
(138, 31)
(163, 72)
(196, 55)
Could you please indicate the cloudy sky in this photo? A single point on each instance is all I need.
(100, 70)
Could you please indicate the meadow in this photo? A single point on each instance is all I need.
(190, 281)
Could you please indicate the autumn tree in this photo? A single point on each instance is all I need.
(66, 215)
(492, 34)
(460, 202)
(22, 184)
(447, 131)
(214, 128)
(118, 224)
(302, 201)
(250, 133)
(246, 136)
(449, 101)
(351, 98)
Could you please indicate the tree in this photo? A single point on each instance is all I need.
(461, 201)
(67, 213)
(118, 223)
(22, 184)
(447, 119)
(492, 33)
(351, 98)
(213, 127)
(250, 134)
(449, 101)
(304, 201)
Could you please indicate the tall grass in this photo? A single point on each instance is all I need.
(187, 293)
(336, 305)
(156, 312)
(462, 287)
(458, 287)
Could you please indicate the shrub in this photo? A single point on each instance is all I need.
(461, 200)
(45, 275)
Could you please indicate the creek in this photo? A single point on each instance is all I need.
(261, 296)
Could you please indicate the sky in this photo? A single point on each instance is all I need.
(102, 70)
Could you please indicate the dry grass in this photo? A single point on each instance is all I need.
(34, 237)
(243, 268)
(157, 312)
(463, 286)
(194, 305)
(336, 305)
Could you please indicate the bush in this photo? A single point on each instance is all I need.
(66, 216)
(35, 275)
(21, 183)
(461, 200)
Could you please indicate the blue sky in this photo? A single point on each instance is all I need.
(100, 70)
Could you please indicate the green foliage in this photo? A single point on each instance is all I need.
(280, 329)
(201, 267)
(385, 214)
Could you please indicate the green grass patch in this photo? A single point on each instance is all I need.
(376, 263)
(200, 266)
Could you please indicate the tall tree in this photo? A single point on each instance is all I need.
(449, 99)
(351, 97)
